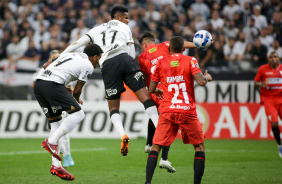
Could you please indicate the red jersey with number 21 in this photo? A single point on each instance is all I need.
(175, 72)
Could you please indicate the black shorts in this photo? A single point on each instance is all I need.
(119, 69)
(54, 98)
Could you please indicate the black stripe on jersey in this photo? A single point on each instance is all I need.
(130, 43)
(81, 81)
(90, 38)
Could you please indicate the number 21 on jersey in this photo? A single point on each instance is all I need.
(177, 88)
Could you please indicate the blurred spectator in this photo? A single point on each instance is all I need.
(246, 13)
(40, 19)
(275, 47)
(15, 49)
(91, 21)
(200, 23)
(230, 9)
(260, 20)
(5, 41)
(259, 52)
(230, 30)
(151, 14)
(40, 36)
(229, 54)
(276, 21)
(70, 22)
(265, 39)
(251, 31)
(216, 22)
(247, 59)
(78, 32)
(239, 51)
(202, 8)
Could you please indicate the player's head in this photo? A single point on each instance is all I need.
(120, 13)
(273, 59)
(146, 39)
(94, 53)
(176, 44)
(53, 54)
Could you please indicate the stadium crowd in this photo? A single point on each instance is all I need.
(244, 31)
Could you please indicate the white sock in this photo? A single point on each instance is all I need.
(65, 144)
(56, 162)
(55, 126)
(153, 114)
(116, 120)
(68, 124)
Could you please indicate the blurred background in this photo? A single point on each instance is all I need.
(244, 33)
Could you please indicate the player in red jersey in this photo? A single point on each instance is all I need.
(148, 59)
(269, 79)
(177, 72)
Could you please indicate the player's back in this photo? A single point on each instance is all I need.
(149, 58)
(176, 75)
(111, 36)
(67, 68)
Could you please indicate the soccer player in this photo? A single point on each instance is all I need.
(118, 66)
(151, 53)
(64, 142)
(177, 72)
(269, 79)
(53, 97)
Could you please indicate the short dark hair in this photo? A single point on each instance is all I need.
(176, 44)
(92, 50)
(147, 35)
(117, 9)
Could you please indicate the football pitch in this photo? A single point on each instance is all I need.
(99, 161)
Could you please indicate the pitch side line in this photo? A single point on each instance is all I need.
(42, 151)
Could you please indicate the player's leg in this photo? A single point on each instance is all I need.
(199, 163)
(150, 134)
(117, 122)
(65, 141)
(272, 110)
(152, 162)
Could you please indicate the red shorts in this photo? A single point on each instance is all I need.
(272, 110)
(170, 123)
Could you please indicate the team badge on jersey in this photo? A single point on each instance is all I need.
(152, 50)
(174, 63)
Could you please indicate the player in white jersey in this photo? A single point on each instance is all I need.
(118, 67)
(53, 97)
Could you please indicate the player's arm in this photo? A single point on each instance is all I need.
(258, 79)
(131, 50)
(260, 84)
(82, 41)
(202, 79)
(153, 89)
(189, 45)
(78, 89)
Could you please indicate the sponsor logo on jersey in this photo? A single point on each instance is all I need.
(45, 110)
(55, 108)
(114, 47)
(175, 79)
(197, 65)
(281, 72)
(111, 92)
(138, 75)
(193, 64)
(273, 80)
(152, 50)
(174, 63)
(268, 73)
(47, 72)
(155, 61)
(183, 107)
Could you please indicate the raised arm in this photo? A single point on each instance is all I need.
(202, 79)
(189, 45)
(82, 41)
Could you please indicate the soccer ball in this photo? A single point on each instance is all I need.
(202, 39)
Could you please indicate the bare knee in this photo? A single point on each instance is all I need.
(199, 147)
(142, 94)
(156, 148)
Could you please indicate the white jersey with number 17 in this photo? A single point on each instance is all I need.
(113, 37)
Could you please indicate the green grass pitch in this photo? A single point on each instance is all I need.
(99, 161)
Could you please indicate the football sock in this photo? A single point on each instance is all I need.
(151, 165)
(116, 120)
(151, 132)
(56, 162)
(165, 150)
(55, 126)
(65, 140)
(152, 111)
(68, 124)
(199, 166)
(276, 133)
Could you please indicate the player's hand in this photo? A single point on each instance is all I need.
(46, 64)
(159, 93)
(208, 76)
(80, 101)
(263, 85)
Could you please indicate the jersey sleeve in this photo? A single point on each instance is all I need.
(195, 68)
(128, 35)
(85, 73)
(91, 34)
(141, 63)
(258, 76)
(156, 75)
